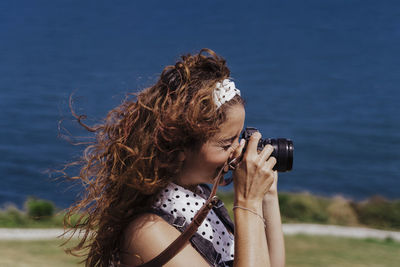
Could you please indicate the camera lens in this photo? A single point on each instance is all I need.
(283, 152)
(283, 149)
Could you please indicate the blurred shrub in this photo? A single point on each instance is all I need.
(379, 213)
(227, 198)
(39, 209)
(341, 212)
(11, 216)
(376, 212)
(303, 208)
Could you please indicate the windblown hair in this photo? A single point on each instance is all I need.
(135, 151)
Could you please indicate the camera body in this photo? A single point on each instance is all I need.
(283, 149)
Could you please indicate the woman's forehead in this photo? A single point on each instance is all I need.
(234, 123)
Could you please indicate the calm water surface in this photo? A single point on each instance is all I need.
(323, 73)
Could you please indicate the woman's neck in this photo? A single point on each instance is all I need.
(191, 187)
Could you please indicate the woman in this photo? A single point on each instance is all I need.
(146, 170)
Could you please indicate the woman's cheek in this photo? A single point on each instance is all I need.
(221, 158)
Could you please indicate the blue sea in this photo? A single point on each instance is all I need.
(325, 74)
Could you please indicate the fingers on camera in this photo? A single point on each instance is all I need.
(253, 142)
(266, 152)
(271, 162)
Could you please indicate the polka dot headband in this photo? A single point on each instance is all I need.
(224, 92)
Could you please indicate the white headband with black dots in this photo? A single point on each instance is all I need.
(224, 92)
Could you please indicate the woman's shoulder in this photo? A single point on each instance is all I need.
(145, 226)
(147, 236)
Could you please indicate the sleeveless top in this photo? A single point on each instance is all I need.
(214, 239)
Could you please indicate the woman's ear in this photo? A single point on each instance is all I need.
(181, 156)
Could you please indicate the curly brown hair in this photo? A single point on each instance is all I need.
(135, 151)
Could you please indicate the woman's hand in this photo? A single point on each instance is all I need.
(253, 176)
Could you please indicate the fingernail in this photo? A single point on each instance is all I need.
(242, 142)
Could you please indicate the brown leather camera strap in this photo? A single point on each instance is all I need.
(198, 219)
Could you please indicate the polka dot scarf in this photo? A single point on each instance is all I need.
(179, 201)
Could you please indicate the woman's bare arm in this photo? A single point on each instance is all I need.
(253, 178)
(250, 242)
(273, 230)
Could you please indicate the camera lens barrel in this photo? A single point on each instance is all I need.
(283, 149)
(283, 152)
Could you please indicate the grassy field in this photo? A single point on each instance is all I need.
(300, 250)
(34, 254)
(334, 251)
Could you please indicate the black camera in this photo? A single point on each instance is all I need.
(283, 149)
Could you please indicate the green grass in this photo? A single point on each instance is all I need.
(35, 254)
(334, 251)
(301, 251)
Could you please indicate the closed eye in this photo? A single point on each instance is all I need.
(226, 147)
(227, 143)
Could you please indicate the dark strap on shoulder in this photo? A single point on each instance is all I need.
(203, 246)
(178, 222)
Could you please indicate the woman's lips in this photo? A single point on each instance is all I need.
(226, 168)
